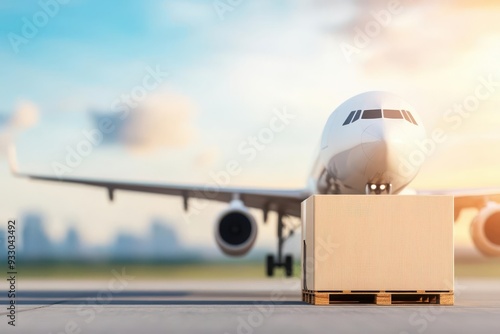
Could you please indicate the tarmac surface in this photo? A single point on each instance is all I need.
(123, 305)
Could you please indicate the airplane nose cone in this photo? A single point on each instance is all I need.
(384, 148)
(378, 139)
(372, 141)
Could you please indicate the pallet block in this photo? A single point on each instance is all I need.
(381, 249)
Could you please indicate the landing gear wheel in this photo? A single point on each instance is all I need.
(289, 265)
(285, 262)
(270, 265)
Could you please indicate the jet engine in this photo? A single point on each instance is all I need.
(235, 229)
(485, 230)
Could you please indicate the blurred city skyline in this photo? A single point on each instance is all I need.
(159, 243)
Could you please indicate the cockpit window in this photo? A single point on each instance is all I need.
(378, 113)
(409, 117)
(356, 117)
(349, 118)
(405, 115)
(372, 113)
(392, 113)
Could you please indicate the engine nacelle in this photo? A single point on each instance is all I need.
(485, 230)
(235, 229)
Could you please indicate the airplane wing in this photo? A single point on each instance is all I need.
(288, 201)
(467, 198)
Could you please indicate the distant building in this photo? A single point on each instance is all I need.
(3, 246)
(128, 246)
(164, 241)
(71, 245)
(36, 243)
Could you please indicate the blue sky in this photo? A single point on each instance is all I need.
(226, 77)
(90, 44)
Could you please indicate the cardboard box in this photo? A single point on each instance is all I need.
(388, 243)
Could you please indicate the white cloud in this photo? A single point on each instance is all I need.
(164, 119)
(207, 157)
(25, 115)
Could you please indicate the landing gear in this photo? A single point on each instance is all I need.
(289, 265)
(270, 265)
(272, 261)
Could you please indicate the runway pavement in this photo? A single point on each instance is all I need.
(124, 305)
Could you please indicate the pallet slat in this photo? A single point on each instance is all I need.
(378, 298)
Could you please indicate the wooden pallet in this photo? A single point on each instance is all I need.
(420, 297)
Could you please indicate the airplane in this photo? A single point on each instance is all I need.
(370, 145)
